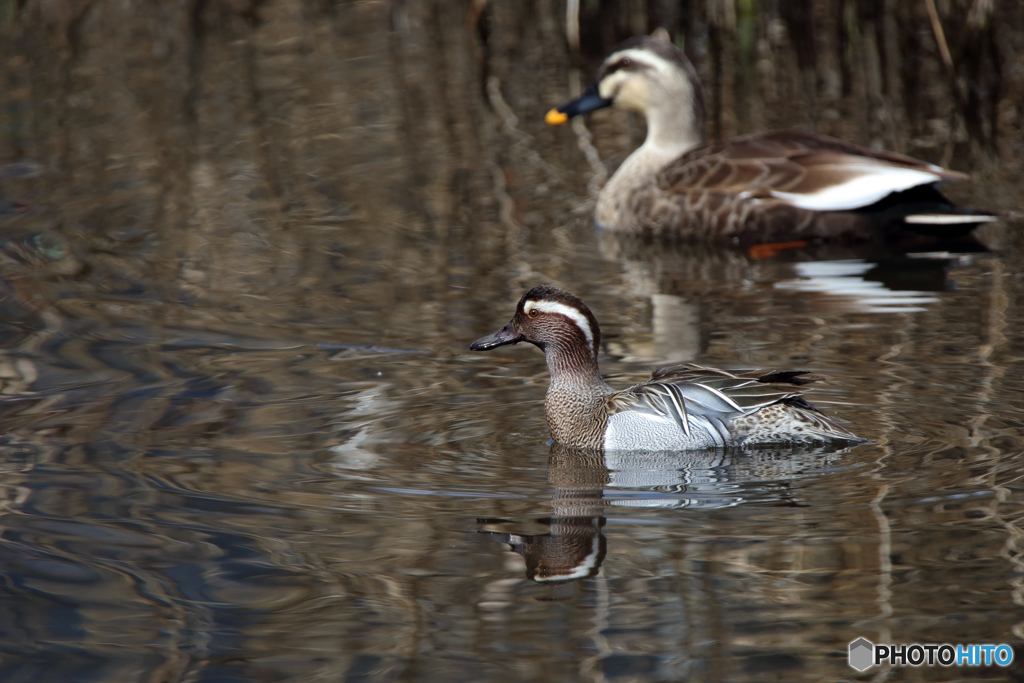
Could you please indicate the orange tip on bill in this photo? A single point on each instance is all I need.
(556, 118)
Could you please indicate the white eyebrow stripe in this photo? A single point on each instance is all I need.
(568, 311)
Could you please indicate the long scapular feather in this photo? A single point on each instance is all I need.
(674, 403)
(704, 400)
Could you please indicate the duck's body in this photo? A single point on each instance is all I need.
(681, 407)
(783, 185)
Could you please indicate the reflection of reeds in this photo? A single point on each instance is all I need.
(940, 35)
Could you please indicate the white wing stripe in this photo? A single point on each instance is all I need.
(948, 219)
(875, 182)
(725, 398)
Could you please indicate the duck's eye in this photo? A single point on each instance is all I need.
(534, 312)
(624, 62)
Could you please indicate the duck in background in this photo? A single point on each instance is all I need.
(754, 189)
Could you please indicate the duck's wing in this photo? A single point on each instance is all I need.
(682, 391)
(691, 372)
(657, 398)
(801, 169)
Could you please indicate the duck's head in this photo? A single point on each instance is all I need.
(646, 75)
(552, 319)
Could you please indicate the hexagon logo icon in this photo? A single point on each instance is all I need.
(862, 654)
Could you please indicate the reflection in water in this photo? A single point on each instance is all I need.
(823, 280)
(852, 281)
(587, 482)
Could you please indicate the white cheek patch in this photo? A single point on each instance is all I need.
(610, 85)
(568, 311)
(627, 87)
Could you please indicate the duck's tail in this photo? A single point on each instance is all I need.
(791, 420)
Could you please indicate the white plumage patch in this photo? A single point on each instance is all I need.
(568, 311)
(874, 183)
(633, 430)
(948, 219)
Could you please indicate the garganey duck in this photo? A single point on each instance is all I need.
(786, 185)
(681, 407)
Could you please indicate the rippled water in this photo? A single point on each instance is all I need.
(243, 438)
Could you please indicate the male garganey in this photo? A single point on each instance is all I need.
(681, 407)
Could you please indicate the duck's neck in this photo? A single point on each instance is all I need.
(670, 133)
(575, 402)
(672, 130)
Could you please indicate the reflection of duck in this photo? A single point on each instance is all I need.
(785, 185)
(696, 290)
(588, 481)
(680, 407)
(573, 547)
(826, 279)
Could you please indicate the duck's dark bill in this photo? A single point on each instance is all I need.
(589, 101)
(506, 335)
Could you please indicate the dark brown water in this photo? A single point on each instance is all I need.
(244, 249)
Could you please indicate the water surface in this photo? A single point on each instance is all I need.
(243, 437)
